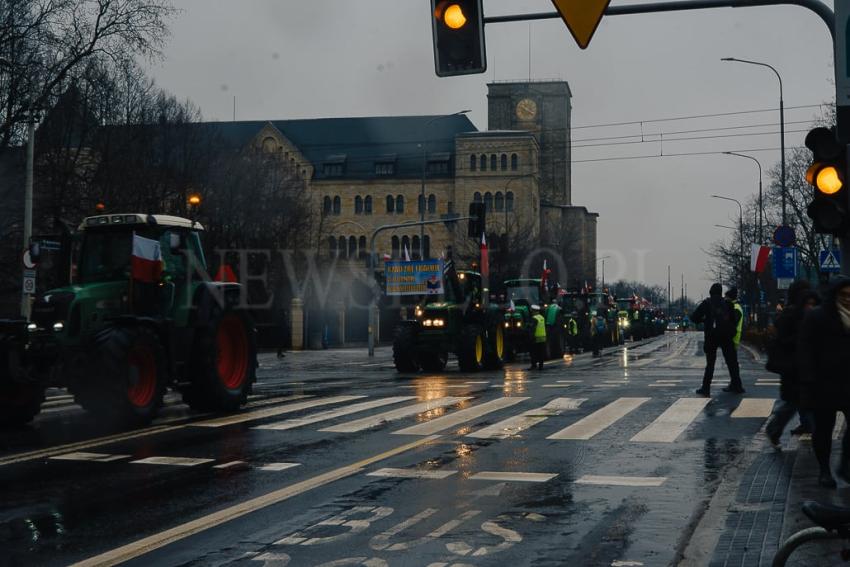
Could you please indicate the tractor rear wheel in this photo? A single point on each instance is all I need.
(495, 356)
(472, 348)
(434, 361)
(126, 383)
(224, 363)
(404, 350)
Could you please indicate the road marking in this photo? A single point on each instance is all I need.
(277, 467)
(662, 385)
(622, 480)
(619, 563)
(507, 476)
(664, 381)
(670, 424)
(82, 456)
(606, 386)
(478, 382)
(411, 473)
(599, 420)
(518, 423)
(839, 425)
(271, 412)
(458, 417)
(382, 541)
(332, 414)
(569, 381)
(230, 464)
(381, 418)
(156, 541)
(436, 386)
(558, 385)
(175, 461)
(754, 407)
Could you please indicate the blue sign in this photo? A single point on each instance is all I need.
(785, 263)
(830, 261)
(423, 277)
(784, 236)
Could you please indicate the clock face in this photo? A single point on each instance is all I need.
(526, 109)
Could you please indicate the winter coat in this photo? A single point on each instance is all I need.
(823, 356)
(704, 314)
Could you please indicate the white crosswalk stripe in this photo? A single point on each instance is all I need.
(332, 414)
(754, 407)
(275, 411)
(519, 423)
(173, 461)
(670, 424)
(393, 415)
(459, 417)
(599, 420)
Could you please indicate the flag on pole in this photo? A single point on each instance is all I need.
(406, 256)
(758, 258)
(485, 257)
(146, 262)
(544, 278)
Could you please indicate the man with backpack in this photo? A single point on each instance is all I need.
(719, 318)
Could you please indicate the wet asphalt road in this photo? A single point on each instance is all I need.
(338, 460)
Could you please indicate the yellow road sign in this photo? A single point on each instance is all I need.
(582, 17)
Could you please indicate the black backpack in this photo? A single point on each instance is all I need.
(721, 322)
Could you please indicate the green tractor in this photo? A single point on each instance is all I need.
(117, 343)
(521, 294)
(457, 321)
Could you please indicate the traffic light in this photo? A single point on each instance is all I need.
(828, 174)
(478, 221)
(458, 31)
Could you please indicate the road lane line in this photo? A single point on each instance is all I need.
(82, 456)
(332, 414)
(458, 417)
(272, 412)
(229, 464)
(411, 473)
(507, 476)
(754, 407)
(156, 541)
(669, 425)
(518, 423)
(569, 381)
(172, 461)
(381, 418)
(622, 480)
(277, 467)
(599, 420)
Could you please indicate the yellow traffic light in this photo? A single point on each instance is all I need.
(828, 181)
(454, 17)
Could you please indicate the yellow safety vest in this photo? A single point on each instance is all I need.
(540, 329)
(740, 328)
(573, 327)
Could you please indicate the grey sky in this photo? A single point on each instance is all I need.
(320, 58)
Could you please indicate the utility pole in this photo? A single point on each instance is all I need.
(25, 297)
(669, 297)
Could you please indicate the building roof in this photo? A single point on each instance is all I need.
(363, 141)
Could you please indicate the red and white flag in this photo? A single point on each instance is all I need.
(758, 258)
(146, 262)
(485, 257)
(544, 277)
(405, 255)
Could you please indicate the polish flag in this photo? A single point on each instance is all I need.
(758, 258)
(406, 254)
(146, 262)
(544, 278)
(485, 257)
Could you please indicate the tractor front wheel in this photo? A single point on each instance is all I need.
(472, 348)
(404, 350)
(495, 357)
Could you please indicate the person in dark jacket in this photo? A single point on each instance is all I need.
(719, 318)
(782, 359)
(823, 363)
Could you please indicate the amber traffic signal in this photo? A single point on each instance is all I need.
(458, 30)
(828, 176)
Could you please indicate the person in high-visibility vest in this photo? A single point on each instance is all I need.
(538, 348)
(732, 297)
(572, 334)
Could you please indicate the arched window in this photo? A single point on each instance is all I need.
(514, 162)
(341, 249)
(399, 204)
(367, 205)
(358, 205)
(395, 246)
(332, 250)
(476, 198)
(472, 162)
(390, 204)
(361, 243)
(509, 201)
(352, 247)
(405, 245)
(488, 202)
(483, 162)
(326, 206)
(504, 162)
(426, 247)
(432, 203)
(417, 252)
(337, 205)
(493, 162)
(421, 204)
(499, 202)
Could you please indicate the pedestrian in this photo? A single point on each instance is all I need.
(782, 359)
(732, 297)
(572, 336)
(600, 332)
(538, 347)
(823, 359)
(718, 317)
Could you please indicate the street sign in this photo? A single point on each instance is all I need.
(784, 283)
(784, 236)
(830, 261)
(52, 245)
(785, 263)
(582, 17)
(29, 263)
(29, 282)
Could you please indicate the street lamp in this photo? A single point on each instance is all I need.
(603, 258)
(761, 205)
(741, 233)
(422, 202)
(781, 121)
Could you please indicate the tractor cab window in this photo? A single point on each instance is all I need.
(526, 295)
(105, 256)
(174, 262)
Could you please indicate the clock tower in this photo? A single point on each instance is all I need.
(542, 108)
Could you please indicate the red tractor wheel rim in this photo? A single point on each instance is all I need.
(232, 352)
(142, 387)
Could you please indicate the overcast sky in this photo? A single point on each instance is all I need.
(325, 58)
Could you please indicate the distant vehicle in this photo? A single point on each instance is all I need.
(673, 326)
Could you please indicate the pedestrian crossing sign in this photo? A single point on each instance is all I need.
(830, 261)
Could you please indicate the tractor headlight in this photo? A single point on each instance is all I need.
(519, 324)
(427, 323)
(439, 323)
(418, 312)
(507, 325)
(32, 327)
(58, 326)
